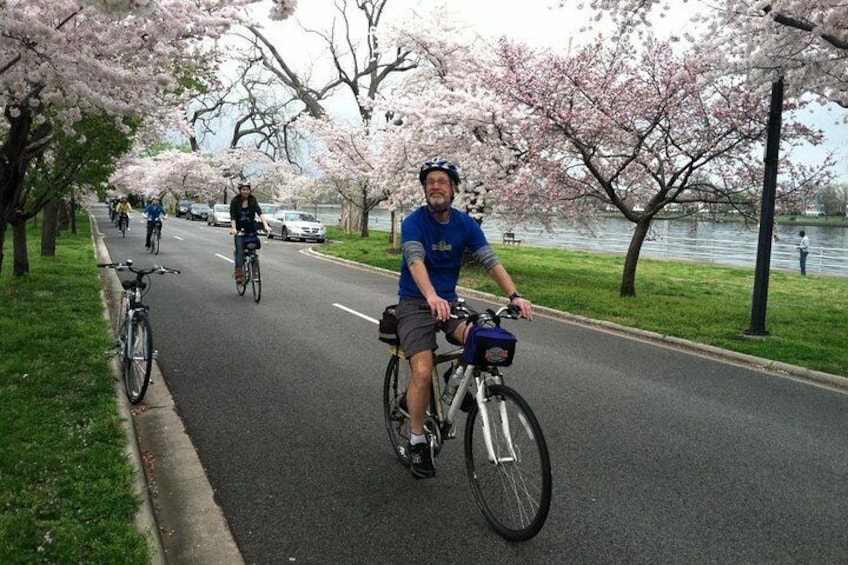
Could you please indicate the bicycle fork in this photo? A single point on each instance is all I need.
(484, 404)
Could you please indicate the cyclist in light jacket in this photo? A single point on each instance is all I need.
(434, 239)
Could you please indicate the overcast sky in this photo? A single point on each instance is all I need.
(534, 22)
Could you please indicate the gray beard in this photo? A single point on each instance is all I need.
(441, 206)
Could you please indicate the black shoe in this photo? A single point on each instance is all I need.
(421, 460)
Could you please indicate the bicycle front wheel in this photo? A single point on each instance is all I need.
(394, 408)
(123, 226)
(513, 489)
(241, 287)
(154, 242)
(255, 280)
(138, 361)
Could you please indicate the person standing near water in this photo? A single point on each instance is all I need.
(803, 250)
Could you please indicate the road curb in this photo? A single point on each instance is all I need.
(777, 368)
(178, 513)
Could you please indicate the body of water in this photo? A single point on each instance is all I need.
(725, 243)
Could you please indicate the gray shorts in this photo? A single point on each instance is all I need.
(417, 327)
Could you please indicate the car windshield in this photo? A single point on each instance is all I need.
(200, 206)
(222, 208)
(300, 217)
(269, 209)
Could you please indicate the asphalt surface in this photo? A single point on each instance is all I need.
(264, 442)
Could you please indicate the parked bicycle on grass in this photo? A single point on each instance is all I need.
(506, 456)
(134, 337)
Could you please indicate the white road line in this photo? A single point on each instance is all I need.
(178, 237)
(225, 258)
(355, 313)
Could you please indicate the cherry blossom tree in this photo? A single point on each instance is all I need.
(805, 40)
(638, 133)
(61, 60)
(202, 176)
(442, 108)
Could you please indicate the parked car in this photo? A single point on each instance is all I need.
(294, 224)
(198, 211)
(182, 207)
(219, 216)
(269, 209)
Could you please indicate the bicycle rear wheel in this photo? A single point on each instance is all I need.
(514, 491)
(138, 361)
(394, 408)
(255, 281)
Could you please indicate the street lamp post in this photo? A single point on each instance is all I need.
(761, 276)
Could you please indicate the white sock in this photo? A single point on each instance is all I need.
(415, 439)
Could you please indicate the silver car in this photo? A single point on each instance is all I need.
(295, 224)
(220, 215)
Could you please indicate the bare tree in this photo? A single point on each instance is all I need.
(361, 65)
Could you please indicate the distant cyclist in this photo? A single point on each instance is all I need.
(122, 210)
(244, 208)
(155, 213)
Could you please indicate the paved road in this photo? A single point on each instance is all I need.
(659, 455)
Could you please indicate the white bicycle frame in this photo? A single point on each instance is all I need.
(483, 406)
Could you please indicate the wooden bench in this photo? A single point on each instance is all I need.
(509, 239)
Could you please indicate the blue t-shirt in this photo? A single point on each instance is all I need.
(153, 211)
(444, 247)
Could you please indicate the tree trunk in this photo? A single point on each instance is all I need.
(394, 231)
(51, 229)
(74, 206)
(20, 260)
(64, 209)
(351, 217)
(631, 261)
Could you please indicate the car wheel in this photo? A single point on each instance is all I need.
(320, 241)
(284, 233)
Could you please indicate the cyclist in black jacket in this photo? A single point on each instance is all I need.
(243, 211)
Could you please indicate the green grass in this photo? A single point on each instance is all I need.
(806, 317)
(66, 491)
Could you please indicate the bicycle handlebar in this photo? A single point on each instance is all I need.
(464, 312)
(127, 266)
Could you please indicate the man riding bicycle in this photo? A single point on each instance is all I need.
(243, 211)
(434, 239)
(155, 213)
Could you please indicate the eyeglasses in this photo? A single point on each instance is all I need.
(436, 182)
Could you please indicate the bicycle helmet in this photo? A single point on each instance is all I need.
(438, 164)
